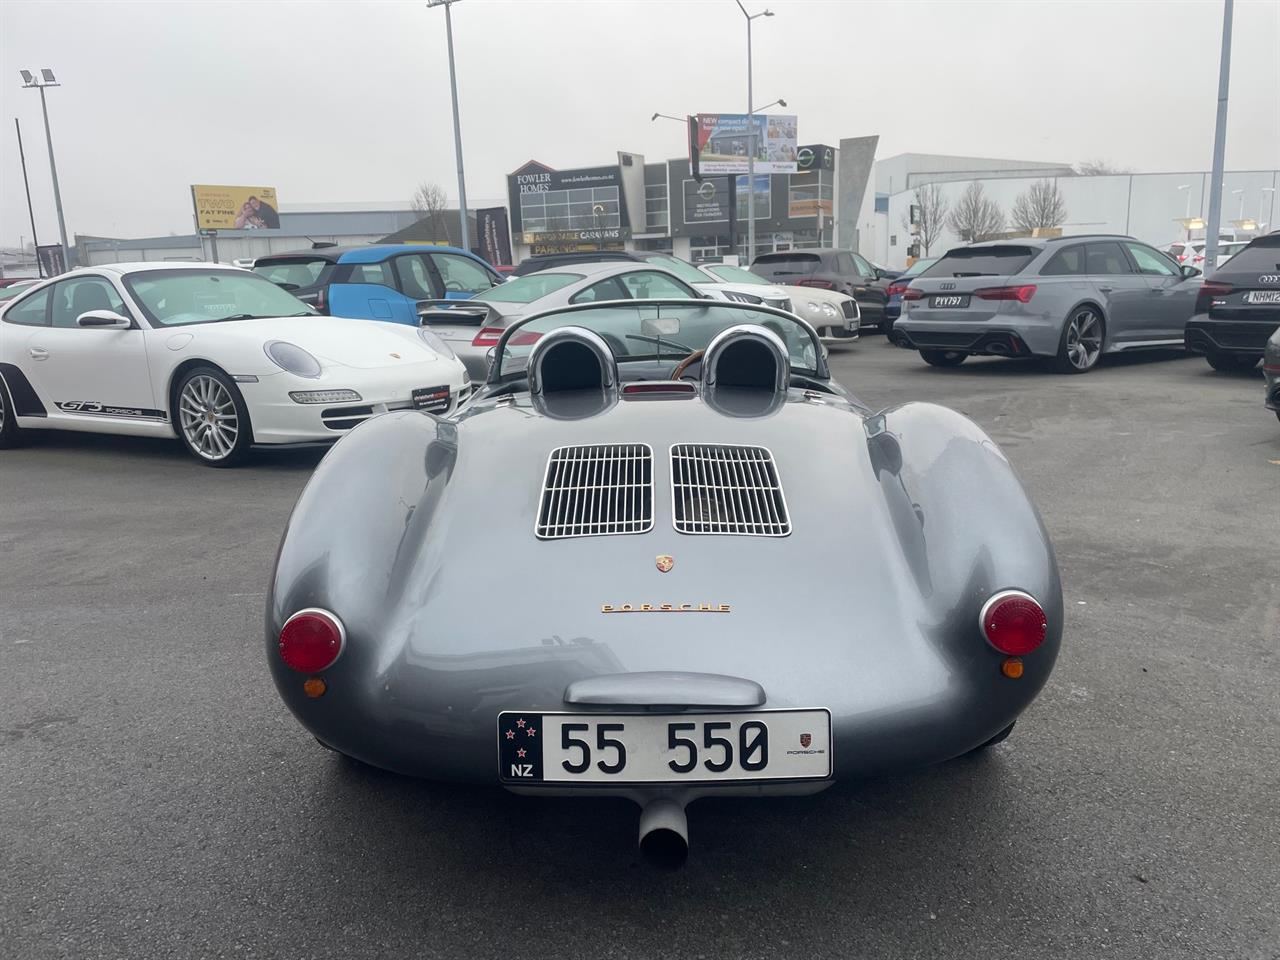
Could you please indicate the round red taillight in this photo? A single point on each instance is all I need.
(1013, 622)
(311, 640)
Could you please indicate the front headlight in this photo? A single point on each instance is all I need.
(293, 359)
(829, 311)
(812, 307)
(324, 396)
(436, 344)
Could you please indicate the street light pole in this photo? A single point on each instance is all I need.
(457, 129)
(47, 79)
(751, 139)
(1219, 139)
(35, 240)
(1262, 206)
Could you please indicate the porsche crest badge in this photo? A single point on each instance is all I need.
(664, 563)
(806, 739)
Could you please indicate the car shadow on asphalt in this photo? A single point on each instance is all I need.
(876, 835)
(1040, 366)
(167, 452)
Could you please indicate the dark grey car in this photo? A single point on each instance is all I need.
(1069, 298)
(825, 268)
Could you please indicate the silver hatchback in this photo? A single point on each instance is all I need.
(1071, 299)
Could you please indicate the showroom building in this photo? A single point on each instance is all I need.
(634, 205)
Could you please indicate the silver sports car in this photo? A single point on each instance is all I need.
(662, 555)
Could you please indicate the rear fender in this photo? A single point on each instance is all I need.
(963, 521)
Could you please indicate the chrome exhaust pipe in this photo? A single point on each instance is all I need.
(664, 834)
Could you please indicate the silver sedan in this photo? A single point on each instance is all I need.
(472, 327)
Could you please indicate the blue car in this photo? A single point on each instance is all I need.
(893, 309)
(383, 282)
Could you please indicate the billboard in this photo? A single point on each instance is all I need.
(724, 140)
(235, 208)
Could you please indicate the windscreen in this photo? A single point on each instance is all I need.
(917, 268)
(528, 289)
(787, 264)
(685, 271)
(293, 274)
(731, 274)
(172, 298)
(999, 261)
(656, 332)
(1262, 255)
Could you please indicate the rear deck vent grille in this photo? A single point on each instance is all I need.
(717, 488)
(597, 490)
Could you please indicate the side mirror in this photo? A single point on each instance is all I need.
(1189, 272)
(103, 320)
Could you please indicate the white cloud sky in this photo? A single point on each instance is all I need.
(344, 101)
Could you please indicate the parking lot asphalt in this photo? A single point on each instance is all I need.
(157, 800)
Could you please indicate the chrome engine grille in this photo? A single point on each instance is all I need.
(593, 491)
(717, 488)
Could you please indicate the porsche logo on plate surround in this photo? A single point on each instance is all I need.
(664, 562)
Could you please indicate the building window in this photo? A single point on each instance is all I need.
(708, 248)
(656, 216)
(588, 208)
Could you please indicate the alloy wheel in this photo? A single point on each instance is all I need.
(1084, 339)
(208, 417)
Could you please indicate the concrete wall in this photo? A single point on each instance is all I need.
(1145, 206)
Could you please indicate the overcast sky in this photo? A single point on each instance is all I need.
(349, 102)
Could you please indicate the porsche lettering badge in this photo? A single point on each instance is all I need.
(665, 608)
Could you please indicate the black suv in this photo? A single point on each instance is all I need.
(1238, 308)
(832, 269)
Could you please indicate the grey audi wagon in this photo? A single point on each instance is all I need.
(1071, 299)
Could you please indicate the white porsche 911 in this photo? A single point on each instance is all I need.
(216, 355)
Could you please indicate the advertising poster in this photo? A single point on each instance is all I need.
(724, 141)
(707, 201)
(495, 235)
(235, 208)
(50, 257)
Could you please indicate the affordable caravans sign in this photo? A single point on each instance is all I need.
(725, 141)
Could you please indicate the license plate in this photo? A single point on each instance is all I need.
(647, 748)
(433, 399)
(1262, 296)
(949, 301)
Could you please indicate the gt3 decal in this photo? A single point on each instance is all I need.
(94, 408)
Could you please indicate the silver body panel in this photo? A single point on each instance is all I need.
(419, 534)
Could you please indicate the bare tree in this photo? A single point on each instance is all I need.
(430, 199)
(1099, 168)
(975, 217)
(931, 208)
(1040, 205)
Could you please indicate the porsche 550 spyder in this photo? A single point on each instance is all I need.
(662, 554)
